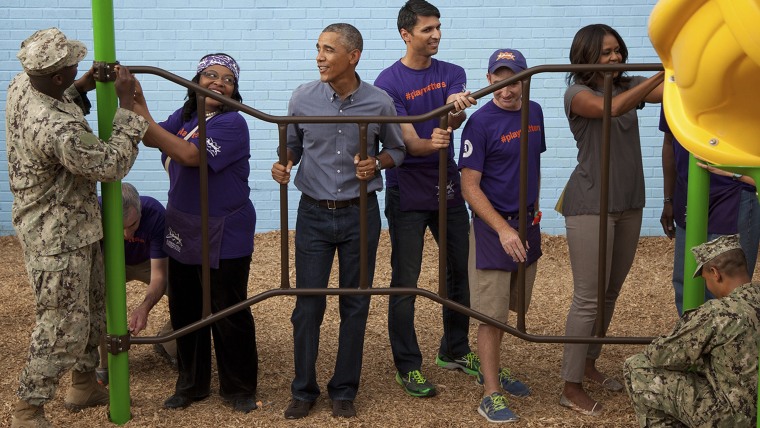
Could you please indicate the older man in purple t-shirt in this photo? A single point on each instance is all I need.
(145, 261)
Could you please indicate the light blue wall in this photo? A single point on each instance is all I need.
(275, 48)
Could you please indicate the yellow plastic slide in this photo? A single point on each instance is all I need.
(710, 50)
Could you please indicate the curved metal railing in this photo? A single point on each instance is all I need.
(282, 123)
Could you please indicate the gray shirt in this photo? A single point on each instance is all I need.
(326, 151)
(626, 189)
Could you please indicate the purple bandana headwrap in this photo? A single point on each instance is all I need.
(220, 59)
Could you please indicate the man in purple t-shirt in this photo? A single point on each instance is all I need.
(145, 261)
(490, 163)
(732, 208)
(418, 83)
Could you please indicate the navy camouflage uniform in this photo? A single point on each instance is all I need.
(704, 374)
(54, 163)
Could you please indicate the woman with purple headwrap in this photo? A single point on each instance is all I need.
(232, 221)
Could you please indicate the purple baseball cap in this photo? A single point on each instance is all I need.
(510, 58)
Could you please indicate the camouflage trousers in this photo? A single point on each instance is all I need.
(667, 398)
(70, 317)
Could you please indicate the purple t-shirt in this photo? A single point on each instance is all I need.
(416, 92)
(228, 151)
(147, 242)
(725, 193)
(491, 146)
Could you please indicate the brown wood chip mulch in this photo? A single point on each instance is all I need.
(645, 308)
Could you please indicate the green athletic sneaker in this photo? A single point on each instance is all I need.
(468, 363)
(415, 384)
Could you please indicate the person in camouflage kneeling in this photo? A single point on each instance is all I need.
(705, 372)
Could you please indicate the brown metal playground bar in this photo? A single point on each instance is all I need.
(363, 121)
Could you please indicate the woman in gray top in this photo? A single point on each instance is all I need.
(584, 106)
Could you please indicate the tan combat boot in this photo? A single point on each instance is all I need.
(27, 416)
(85, 391)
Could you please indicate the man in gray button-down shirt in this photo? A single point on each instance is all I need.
(328, 214)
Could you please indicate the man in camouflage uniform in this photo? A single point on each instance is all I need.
(54, 163)
(705, 372)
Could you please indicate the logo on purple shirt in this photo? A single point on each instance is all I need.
(173, 240)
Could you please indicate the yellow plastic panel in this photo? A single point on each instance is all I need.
(710, 50)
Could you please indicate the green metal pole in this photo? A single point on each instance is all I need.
(116, 295)
(696, 233)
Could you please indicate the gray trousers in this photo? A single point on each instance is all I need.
(623, 230)
(139, 272)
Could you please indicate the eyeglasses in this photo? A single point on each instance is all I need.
(227, 80)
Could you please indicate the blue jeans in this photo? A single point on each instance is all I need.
(749, 237)
(407, 233)
(749, 228)
(319, 233)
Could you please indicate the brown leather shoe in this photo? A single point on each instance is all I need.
(298, 409)
(343, 409)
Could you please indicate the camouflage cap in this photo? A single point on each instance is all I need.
(47, 51)
(709, 250)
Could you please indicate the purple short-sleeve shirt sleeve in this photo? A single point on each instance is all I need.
(147, 242)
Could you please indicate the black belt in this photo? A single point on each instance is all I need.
(333, 205)
(511, 216)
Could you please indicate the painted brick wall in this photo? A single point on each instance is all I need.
(275, 48)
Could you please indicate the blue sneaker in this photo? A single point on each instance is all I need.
(468, 363)
(494, 409)
(513, 386)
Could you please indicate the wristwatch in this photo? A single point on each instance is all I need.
(378, 165)
(736, 176)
